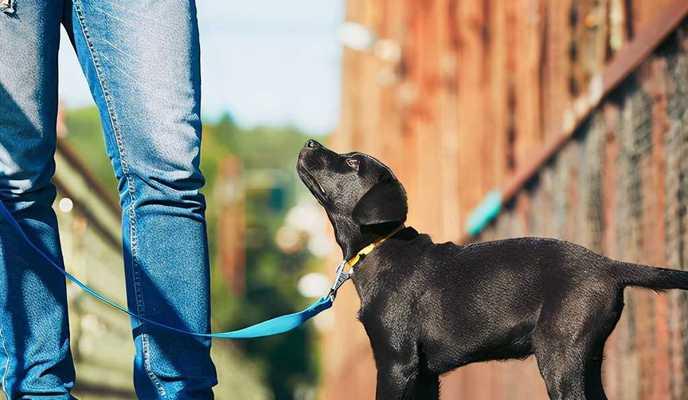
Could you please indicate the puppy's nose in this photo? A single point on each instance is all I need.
(312, 144)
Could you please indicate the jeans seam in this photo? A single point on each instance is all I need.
(138, 288)
(7, 365)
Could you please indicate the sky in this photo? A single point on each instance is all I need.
(266, 62)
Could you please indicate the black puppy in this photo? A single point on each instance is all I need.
(429, 308)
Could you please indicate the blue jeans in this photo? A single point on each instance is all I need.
(141, 60)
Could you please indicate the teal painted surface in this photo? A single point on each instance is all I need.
(486, 211)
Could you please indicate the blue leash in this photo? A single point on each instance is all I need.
(274, 326)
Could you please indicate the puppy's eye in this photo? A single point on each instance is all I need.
(353, 163)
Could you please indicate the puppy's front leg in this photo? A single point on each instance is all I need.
(401, 377)
(407, 383)
(396, 381)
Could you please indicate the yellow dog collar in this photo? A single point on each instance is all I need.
(369, 248)
(343, 276)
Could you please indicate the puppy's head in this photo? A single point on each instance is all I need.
(356, 190)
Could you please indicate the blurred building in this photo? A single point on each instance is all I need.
(570, 117)
(231, 225)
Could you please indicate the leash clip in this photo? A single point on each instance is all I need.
(340, 277)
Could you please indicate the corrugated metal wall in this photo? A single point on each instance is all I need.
(479, 88)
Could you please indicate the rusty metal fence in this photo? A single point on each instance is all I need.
(620, 187)
(533, 97)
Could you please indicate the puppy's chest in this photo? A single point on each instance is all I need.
(387, 311)
(388, 289)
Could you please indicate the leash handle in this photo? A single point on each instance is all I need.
(274, 326)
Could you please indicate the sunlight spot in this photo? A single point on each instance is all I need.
(314, 284)
(66, 205)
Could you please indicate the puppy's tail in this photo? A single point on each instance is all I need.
(650, 277)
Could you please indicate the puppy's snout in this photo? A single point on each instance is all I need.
(309, 158)
(312, 144)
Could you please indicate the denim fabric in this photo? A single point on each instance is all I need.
(141, 60)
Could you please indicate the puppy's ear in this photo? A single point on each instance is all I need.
(385, 202)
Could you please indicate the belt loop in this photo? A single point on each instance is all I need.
(7, 6)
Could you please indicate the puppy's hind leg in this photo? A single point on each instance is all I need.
(569, 376)
(563, 372)
(593, 378)
(427, 387)
(572, 369)
(593, 368)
